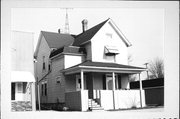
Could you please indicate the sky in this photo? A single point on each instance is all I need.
(143, 27)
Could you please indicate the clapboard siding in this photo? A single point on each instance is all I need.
(56, 90)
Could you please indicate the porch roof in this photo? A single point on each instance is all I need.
(89, 66)
(22, 76)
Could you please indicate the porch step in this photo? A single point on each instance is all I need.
(93, 105)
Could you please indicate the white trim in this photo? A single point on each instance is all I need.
(62, 53)
(82, 80)
(86, 42)
(110, 68)
(153, 87)
(111, 22)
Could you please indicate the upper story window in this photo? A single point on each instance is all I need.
(110, 53)
(111, 50)
(49, 67)
(44, 67)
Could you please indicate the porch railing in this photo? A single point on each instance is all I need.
(117, 99)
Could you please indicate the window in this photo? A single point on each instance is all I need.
(109, 82)
(44, 63)
(111, 50)
(45, 89)
(42, 89)
(20, 87)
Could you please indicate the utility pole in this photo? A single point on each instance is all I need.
(147, 70)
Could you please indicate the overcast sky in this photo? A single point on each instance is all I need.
(144, 28)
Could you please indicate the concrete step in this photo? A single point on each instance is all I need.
(94, 106)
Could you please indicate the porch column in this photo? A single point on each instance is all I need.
(33, 98)
(82, 80)
(113, 79)
(140, 89)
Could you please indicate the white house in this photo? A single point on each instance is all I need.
(22, 71)
(87, 71)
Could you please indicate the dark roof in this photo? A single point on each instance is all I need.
(109, 65)
(69, 49)
(87, 35)
(57, 40)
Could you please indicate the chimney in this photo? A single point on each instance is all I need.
(84, 25)
(59, 30)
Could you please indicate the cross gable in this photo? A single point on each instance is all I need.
(88, 35)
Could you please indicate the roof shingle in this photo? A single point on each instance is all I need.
(57, 40)
(109, 65)
(87, 35)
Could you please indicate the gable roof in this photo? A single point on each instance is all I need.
(54, 40)
(57, 40)
(87, 35)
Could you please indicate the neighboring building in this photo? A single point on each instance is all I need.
(22, 71)
(154, 91)
(87, 71)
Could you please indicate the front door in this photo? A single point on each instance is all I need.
(109, 82)
(78, 82)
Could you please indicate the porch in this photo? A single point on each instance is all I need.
(107, 99)
(107, 85)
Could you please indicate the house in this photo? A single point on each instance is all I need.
(22, 72)
(87, 71)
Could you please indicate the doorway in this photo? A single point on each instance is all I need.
(12, 91)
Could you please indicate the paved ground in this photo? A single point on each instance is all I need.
(158, 109)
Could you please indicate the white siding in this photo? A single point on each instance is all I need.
(101, 39)
(71, 60)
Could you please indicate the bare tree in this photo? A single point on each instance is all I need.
(156, 68)
(130, 58)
